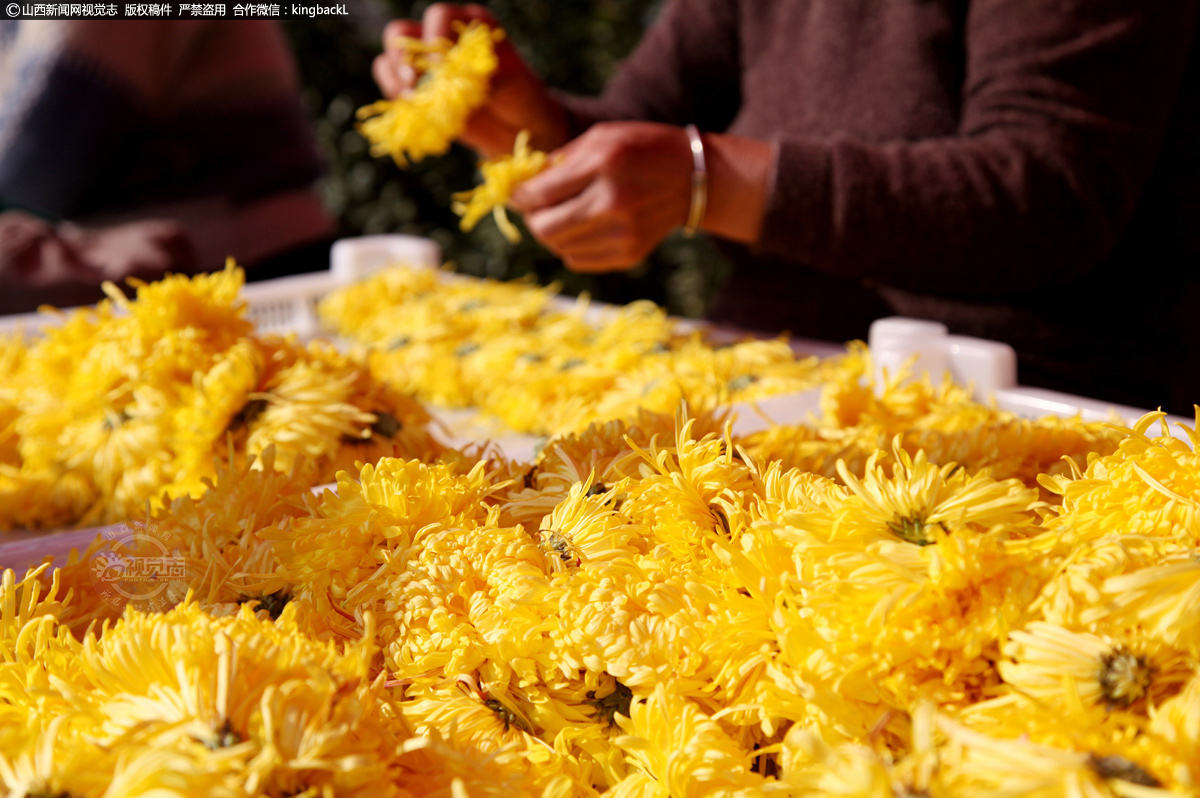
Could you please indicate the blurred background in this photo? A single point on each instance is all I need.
(574, 45)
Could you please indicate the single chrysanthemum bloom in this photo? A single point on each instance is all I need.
(487, 722)
(584, 528)
(602, 450)
(892, 622)
(1104, 674)
(920, 497)
(793, 496)
(501, 176)
(690, 493)
(280, 712)
(308, 412)
(1147, 487)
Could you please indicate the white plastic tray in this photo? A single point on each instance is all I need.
(990, 367)
(288, 305)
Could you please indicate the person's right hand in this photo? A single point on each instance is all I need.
(518, 100)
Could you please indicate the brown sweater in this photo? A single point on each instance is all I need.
(1023, 170)
(195, 121)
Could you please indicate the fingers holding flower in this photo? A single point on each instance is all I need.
(611, 195)
(516, 98)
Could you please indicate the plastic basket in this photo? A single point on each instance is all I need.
(288, 305)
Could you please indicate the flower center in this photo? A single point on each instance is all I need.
(273, 603)
(1124, 678)
(226, 736)
(911, 528)
(506, 715)
(615, 703)
(1118, 767)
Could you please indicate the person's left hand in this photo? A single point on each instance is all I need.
(145, 249)
(65, 265)
(610, 196)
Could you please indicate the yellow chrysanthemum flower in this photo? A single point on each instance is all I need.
(986, 765)
(455, 78)
(501, 176)
(1148, 487)
(920, 497)
(1103, 674)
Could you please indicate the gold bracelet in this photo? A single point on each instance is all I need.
(699, 183)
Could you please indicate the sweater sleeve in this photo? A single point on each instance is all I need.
(140, 114)
(66, 136)
(1066, 104)
(684, 70)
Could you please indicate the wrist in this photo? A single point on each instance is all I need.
(556, 128)
(739, 171)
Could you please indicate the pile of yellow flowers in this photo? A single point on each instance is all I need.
(120, 403)
(650, 609)
(858, 422)
(505, 349)
(185, 703)
(912, 595)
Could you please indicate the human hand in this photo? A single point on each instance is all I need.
(517, 100)
(65, 265)
(143, 249)
(611, 195)
(31, 252)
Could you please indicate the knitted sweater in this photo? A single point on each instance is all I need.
(194, 121)
(1022, 170)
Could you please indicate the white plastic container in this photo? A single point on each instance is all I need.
(990, 367)
(895, 342)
